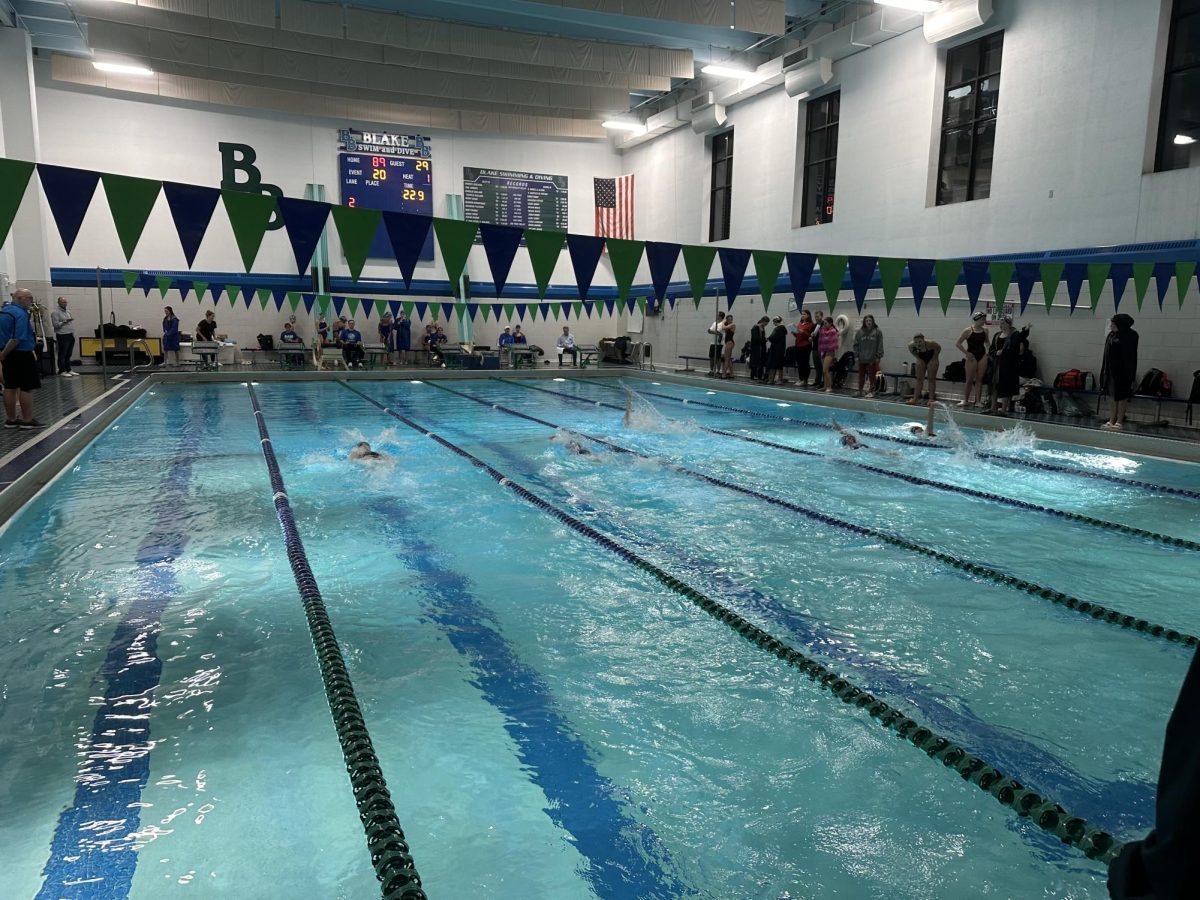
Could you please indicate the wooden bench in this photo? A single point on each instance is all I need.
(687, 361)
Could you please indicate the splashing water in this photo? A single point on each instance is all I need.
(1019, 437)
(642, 415)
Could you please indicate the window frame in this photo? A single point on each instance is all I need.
(825, 163)
(1170, 69)
(724, 190)
(975, 122)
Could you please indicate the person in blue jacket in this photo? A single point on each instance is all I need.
(18, 361)
(352, 348)
(402, 336)
(170, 338)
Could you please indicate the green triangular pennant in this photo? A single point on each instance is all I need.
(578, 307)
(131, 279)
(946, 271)
(130, 201)
(1051, 275)
(641, 302)
(556, 308)
(698, 262)
(249, 214)
(352, 302)
(407, 306)
(164, 284)
(1002, 276)
(544, 248)
(356, 228)
(1097, 276)
(293, 300)
(891, 273)
(484, 308)
(14, 178)
(625, 256)
(455, 239)
(1183, 277)
(199, 287)
(264, 297)
(508, 312)
(381, 307)
(323, 301)
(833, 269)
(767, 264)
(1142, 272)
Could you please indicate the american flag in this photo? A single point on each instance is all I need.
(614, 206)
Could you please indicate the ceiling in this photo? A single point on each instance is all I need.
(542, 67)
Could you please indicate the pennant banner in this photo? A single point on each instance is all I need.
(407, 234)
(662, 259)
(1027, 275)
(862, 270)
(356, 227)
(544, 248)
(249, 214)
(920, 276)
(891, 273)
(1074, 273)
(500, 243)
(767, 264)
(800, 268)
(585, 253)
(305, 222)
(14, 179)
(975, 274)
(698, 262)
(833, 270)
(69, 194)
(455, 239)
(130, 201)
(191, 211)
(946, 271)
(626, 256)
(733, 271)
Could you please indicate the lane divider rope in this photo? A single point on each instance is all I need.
(1084, 607)
(988, 455)
(390, 856)
(1045, 813)
(1128, 530)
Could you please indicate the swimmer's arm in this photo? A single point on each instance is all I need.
(958, 345)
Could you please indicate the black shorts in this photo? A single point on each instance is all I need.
(21, 371)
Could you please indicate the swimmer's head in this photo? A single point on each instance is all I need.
(979, 317)
(363, 445)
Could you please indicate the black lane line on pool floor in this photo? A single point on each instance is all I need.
(1128, 530)
(1046, 814)
(390, 855)
(988, 455)
(1084, 607)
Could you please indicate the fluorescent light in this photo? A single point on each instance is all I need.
(921, 6)
(1183, 140)
(122, 68)
(726, 70)
(623, 125)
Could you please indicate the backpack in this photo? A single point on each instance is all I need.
(1155, 384)
(955, 371)
(1074, 380)
(837, 372)
(1038, 400)
(881, 384)
(266, 342)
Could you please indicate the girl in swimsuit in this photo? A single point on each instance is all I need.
(926, 354)
(972, 344)
(728, 330)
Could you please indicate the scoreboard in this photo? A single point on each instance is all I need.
(390, 183)
(524, 199)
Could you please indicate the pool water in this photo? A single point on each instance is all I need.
(553, 722)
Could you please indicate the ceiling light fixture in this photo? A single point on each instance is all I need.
(122, 68)
(726, 70)
(920, 6)
(1184, 139)
(623, 125)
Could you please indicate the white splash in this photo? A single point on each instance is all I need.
(642, 415)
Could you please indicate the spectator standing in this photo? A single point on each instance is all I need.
(1005, 354)
(64, 335)
(170, 338)
(829, 340)
(804, 347)
(322, 330)
(1119, 371)
(402, 337)
(18, 361)
(868, 352)
(776, 351)
(972, 344)
(206, 330)
(386, 328)
(728, 333)
(758, 349)
(818, 365)
(714, 349)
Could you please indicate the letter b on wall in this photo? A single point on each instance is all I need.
(237, 158)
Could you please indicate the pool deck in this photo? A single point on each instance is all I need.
(78, 409)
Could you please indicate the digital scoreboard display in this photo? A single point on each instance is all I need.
(524, 199)
(390, 183)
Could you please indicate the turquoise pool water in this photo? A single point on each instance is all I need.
(552, 721)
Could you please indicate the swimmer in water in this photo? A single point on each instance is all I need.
(574, 447)
(927, 431)
(363, 451)
(849, 440)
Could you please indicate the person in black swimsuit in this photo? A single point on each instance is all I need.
(927, 355)
(728, 330)
(972, 344)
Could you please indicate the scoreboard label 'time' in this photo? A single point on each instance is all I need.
(524, 199)
(390, 183)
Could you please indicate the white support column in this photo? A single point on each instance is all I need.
(23, 257)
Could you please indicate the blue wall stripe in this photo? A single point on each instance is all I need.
(88, 862)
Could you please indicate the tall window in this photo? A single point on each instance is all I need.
(969, 120)
(722, 187)
(1179, 129)
(820, 159)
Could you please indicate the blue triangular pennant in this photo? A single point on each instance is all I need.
(920, 274)
(338, 303)
(544, 308)
(800, 269)
(448, 311)
(661, 258)
(1027, 276)
(394, 306)
(69, 193)
(610, 305)
(146, 282)
(248, 295)
(500, 243)
(184, 286)
(862, 269)
(408, 235)
(191, 210)
(1119, 273)
(217, 289)
(1163, 273)
(1074, 274)
(280, 294)
(472, 308)
(421, 307)
(588, 306)
(305, 222)
(278, 301)
(520, 308)
(975, 273)
(585, 253)
(733, 271)
(309, 301)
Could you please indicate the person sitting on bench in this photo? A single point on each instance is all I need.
(566, 344)
(288, 335)
(352, 346)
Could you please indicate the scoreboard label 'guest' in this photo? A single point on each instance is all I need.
(389, 172)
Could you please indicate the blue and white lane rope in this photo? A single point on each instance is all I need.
(1084, 607)
(1128, 530)
(389, 850)
(1045, 813)
(988, 455)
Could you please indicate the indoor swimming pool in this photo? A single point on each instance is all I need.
(567, 611)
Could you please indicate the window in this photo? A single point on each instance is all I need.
(820, 159)
(969, 120)
(722, 187)
(1179, 128)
